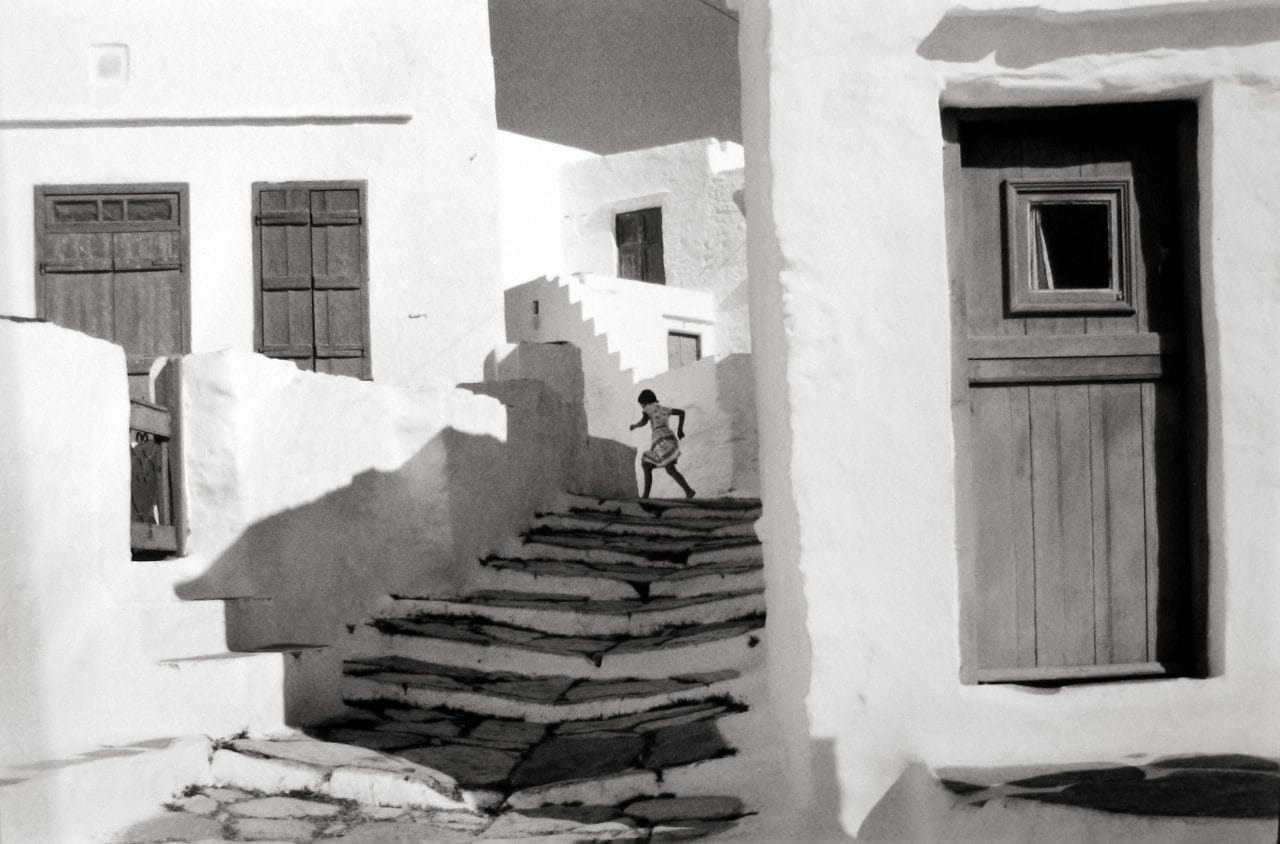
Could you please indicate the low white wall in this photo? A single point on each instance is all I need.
(720, 452)
(851, 297)
(301, 93)
(699, 186)
(325, 494)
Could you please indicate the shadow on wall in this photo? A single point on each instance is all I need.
(1022, 38)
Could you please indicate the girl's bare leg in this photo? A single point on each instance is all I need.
(648, 478)
(675, 473)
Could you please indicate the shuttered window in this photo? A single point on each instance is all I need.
(682, 349)
(111, 262)
(311, 271)
(639, 237)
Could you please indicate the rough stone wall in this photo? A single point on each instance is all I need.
(220, 95)
(852, 342)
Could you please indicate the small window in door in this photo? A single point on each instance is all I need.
(311, 269)
(639, 238)
(1068, 247)
(682, 349)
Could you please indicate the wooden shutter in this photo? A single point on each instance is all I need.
(682, 349)
(639, 240)
(312, 277)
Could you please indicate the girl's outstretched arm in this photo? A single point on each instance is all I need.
(675, 411)
(640, 424)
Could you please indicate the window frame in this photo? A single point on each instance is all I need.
(647, 274)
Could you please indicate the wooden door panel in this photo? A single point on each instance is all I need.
(132, 251)
(335, 257)
(149, 315)
(79, 252)
(287, 324)
(82, 301)
(1005, 582)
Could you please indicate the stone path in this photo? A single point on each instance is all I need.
(1202, 786)
(602, 652)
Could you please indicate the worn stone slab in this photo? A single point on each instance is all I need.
(1182, 793)
(539, 689)
(685, 743)
(414, 714)
(261, 829)
(517, 825)
(404, 832)
(667, 809)
(284, 807)
(508, 731)
(426, 789)
(578, 814)
(702, 713)
(623, 688)
(597, 791)
(640, 720)
(375, 739)
(171, 826)
(266, 775)
(431, 729)
(470, 765)
(225, 795)
(198, 804)
(563, 758)
(325, 754)
(1061, 778)
(687, 830)
(1230, 761)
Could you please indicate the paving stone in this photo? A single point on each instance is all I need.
(578, 814)
(571, 644)
(413, 715)
(467, 764)
(171, 826)
(198, 804)
(687, 830)
(1231, 761)
(510, 635)
(697, 634)
(405, 832)
(1061, 778)
(383, 813)
(423, 788)
(622, 688)
(517, 825)
(260, 829)
(540, 689)
(268, 775)
(326, 754)
(578, 757)
(432, 629)
(703, 713)
(284, 807)
(506, 730)
(225, 795)
(433, 729)
(373, 739)
(334, 829)
(648, 643)
(685, 743)
(1182, 793)
(668, 809)
(650, 719)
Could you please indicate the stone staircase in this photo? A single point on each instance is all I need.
(592, 670)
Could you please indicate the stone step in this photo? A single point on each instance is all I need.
(651, 552)
(522, 760)
(537, 698)
(611, 524)
(604, 581)
(678, 508)
(487, 646)
(578, 616)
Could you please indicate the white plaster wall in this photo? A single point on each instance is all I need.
(82, 626)
(699, 186)
(720, 452)
(532, 216)
(852, 347)
(223, 94)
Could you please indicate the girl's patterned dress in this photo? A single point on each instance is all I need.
(665, 448)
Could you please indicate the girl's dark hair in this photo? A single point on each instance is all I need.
(647, 397)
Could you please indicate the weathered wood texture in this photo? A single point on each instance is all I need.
(311, 264)
(639, 239)
(1076, 468)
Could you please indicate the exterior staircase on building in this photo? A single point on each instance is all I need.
(594, 665)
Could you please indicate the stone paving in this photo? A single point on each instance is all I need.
(1201, 786)
(211, 815)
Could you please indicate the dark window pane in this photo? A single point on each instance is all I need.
(75, 211)
(141, 210)
(112, 211)
(1072, 246)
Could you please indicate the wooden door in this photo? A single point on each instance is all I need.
(1077, 338)
(310, 263)
(111, 262)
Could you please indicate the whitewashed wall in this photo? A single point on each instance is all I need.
(222, 94)
(698, 185)
(851, 338)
